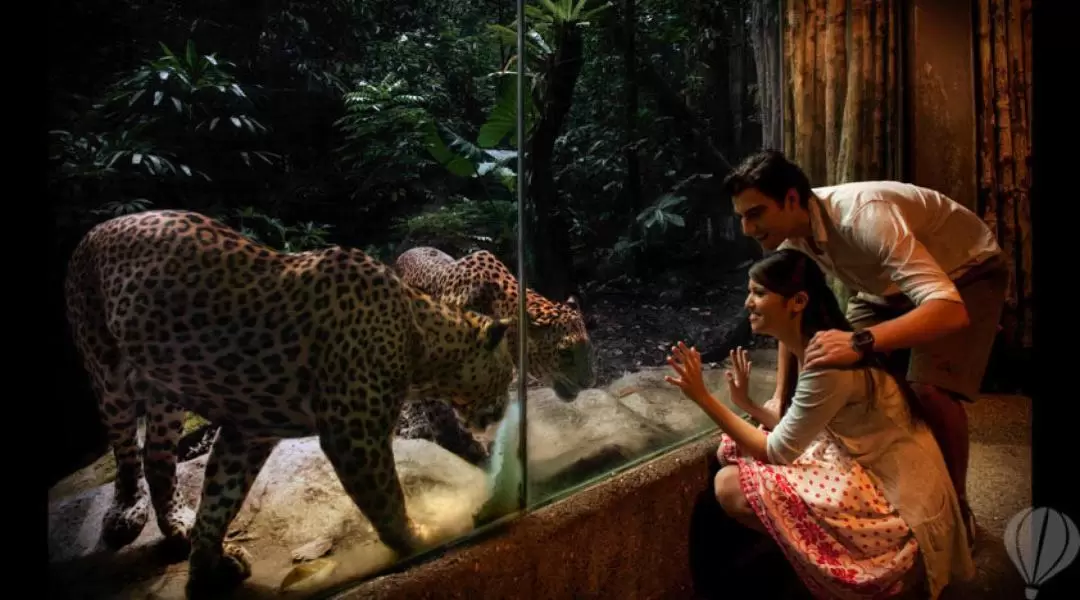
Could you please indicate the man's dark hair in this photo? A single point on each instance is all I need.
(772, 174)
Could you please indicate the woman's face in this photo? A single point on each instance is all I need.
(770, 313)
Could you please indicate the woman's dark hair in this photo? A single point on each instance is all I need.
(787, 272)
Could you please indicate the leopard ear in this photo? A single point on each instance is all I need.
(493, 333)
(572, 302)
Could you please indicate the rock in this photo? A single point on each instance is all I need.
(308, 575)
(313, 549)
(296, 501)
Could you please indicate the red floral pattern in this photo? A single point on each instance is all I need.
(831, 520)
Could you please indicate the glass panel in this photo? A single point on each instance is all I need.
(374, 125)
(637, 112)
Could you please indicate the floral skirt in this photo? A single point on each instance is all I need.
(831, 520)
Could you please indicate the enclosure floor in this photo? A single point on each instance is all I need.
(999, 486)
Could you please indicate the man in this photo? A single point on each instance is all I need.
(929, 275)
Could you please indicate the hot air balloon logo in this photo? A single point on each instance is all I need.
(1041, 543)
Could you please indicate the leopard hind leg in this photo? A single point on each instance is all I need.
(109, 372)
(130, 509)
(235, 460)
(435, 421)
(164, 428)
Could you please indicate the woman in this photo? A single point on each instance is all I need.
(844, 476)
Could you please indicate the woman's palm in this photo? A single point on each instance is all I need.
(738, 378)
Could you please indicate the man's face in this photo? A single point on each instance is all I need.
(763, 219)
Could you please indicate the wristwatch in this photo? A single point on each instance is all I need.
(863, 342)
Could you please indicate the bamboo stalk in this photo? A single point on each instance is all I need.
(835, 76)
(804, 103)
(878, 57)
(891, 166)
(818, 155)
(1025, 16)
(866, 77)
(791, 73)
(851, 138)
(1019, 110)
(987, 155)
(1006, 165)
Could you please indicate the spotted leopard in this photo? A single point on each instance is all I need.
(178, 312)
(559, 350)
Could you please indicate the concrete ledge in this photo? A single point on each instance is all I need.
(654, 531)
(626, 537)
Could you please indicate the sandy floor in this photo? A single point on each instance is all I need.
(999, 485)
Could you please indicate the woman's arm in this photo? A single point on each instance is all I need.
(819, 395)
(767, 415)
(750, 439)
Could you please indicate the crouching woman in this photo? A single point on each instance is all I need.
(844, 476)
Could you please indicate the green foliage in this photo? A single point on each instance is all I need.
(384, 128)
(182, 102)
(174, 118)
(273, 232)
(661, 214)
(550, 13)
(465, 225)
(390, 119)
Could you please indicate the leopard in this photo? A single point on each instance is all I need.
(173, 310)
(559, 349)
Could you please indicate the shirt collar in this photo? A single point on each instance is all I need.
(818, 231)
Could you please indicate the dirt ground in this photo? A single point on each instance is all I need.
(635, 328)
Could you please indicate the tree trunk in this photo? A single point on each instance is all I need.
(551, 247)
(765, 38)
(717, 57)
(671, 104)
(632, 185)
(736, 51)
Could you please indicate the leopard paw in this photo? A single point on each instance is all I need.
(212, 576)
(124, 521)
(176, 529)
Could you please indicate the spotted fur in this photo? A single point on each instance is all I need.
(559, 348)
(179, 312)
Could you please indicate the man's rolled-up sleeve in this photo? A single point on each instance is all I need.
(879, 229)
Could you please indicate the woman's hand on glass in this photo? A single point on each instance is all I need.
(687, 363)
(738, 378)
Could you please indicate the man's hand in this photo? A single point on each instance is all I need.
(830, 348)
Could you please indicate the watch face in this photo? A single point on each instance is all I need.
(863, 338)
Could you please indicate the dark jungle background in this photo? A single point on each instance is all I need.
(386, 124)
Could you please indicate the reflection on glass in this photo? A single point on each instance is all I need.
(298, 126)
(637, 112)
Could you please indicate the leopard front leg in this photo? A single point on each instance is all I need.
(231, 468)
(361, 451)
